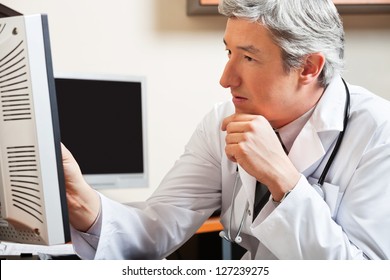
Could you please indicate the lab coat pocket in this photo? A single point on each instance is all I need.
(331, 194)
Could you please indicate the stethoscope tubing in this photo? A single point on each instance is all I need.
(321, 179)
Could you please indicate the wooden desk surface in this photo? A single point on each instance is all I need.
(211, 225)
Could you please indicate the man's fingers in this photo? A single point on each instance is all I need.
(236, 119)
(226, 121)
(235, 138)
(229, 151)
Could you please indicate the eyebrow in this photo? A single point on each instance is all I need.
(249, 48)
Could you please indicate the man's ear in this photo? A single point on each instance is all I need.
(312, 67)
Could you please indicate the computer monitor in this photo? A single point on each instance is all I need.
(103, 123)
(33, 205)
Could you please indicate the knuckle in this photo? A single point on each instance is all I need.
(252, 125)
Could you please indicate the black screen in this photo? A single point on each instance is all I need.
(101, 124)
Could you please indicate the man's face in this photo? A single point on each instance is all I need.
(255, 74)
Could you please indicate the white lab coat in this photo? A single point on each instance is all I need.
(352, 222)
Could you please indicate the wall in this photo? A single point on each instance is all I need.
(182, 58)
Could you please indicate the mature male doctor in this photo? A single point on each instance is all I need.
(326, 168)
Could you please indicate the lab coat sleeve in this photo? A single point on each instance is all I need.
(186, 197)
(302, 226)
(85, 243)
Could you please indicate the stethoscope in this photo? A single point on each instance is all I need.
(317, 186)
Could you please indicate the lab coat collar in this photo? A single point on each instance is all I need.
(328, 116)
(329, 112)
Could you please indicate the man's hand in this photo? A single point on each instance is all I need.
(83, 201)
(253, 144)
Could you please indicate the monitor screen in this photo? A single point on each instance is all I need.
(102, 122)
(32, 189)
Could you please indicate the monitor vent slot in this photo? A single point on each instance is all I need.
(24, 180)
(14, 84)
(2, 26)
(9, 233)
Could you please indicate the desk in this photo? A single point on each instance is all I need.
(211, 225)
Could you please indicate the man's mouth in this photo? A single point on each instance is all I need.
(237, 98)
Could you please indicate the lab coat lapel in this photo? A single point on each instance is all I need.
(248, 184)
(307, 148)
(328, 116)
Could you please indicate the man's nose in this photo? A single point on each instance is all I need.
(230, 77)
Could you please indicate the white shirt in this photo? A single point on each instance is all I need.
(352, 222)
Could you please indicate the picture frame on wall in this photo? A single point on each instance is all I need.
(210, 7)
(7, 12)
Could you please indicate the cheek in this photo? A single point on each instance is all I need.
(270, 97)
(271, 90)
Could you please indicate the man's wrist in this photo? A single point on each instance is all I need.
(283, 197)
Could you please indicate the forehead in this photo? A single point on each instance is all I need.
(241, 32)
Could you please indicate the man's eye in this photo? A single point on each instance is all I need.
(248, 58)
(228, 52)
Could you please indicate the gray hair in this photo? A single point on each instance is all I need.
(299, 28)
